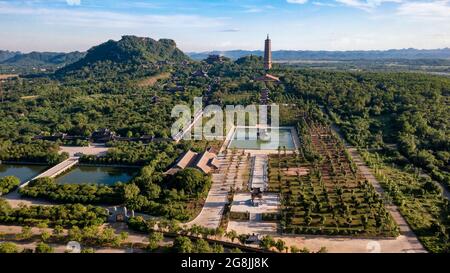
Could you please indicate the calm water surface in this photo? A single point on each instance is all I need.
(97, 175)
(247, 138)
(23, 172)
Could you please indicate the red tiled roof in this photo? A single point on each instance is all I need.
(186, 159)
(205, 162)
(268, 77)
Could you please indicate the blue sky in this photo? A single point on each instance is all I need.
(201, 25)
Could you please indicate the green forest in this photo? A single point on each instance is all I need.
(399, 118)
(404, 112)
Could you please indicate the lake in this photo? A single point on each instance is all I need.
(97, 175)
(21, 171)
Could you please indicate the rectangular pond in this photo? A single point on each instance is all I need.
(22, 171)
(99, 175)
(258, 139)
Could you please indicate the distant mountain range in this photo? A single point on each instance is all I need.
(5, 55)
(132, 50)
(39, 59)
(292, 55)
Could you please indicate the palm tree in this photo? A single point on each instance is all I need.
(220, 231)
(280, 245)
(232, 235)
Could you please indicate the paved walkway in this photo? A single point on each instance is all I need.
(212, 210)
(393, 209)
(92, 149)
(405, 230)
(55, 170)
(269, 204)
(230, 174)
(335, 244)
(259, 172)
(15, 200)
(254, 227)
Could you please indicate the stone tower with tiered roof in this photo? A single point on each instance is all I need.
(268, 54)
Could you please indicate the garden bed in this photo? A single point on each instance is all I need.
(333, 198)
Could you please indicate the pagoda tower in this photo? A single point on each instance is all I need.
(268, 54)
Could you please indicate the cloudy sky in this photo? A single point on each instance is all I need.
(201, 25)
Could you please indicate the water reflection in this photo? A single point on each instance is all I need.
(257, 139)
(23, 172)
(97, 175)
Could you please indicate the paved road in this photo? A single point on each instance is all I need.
(393, 209)
(335, 244)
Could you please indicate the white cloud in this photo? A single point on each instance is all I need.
(73, 2)
(257, 9)
(254, 10)
(297, 1)
(419, 9)
(230, 30)
(58, 16)
(323, 4)
(366, 5)
(436, 10)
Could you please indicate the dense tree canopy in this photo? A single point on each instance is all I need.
(403, 116)
(191, 181)
(8, 183)
(47, 188)
(62, 215)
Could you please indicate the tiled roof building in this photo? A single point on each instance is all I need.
(205, 162)
(268, 78)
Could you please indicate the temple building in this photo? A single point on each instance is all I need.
(205, 162)
(267, 78)
(268, 54)
(215, 59)
(200, 74)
